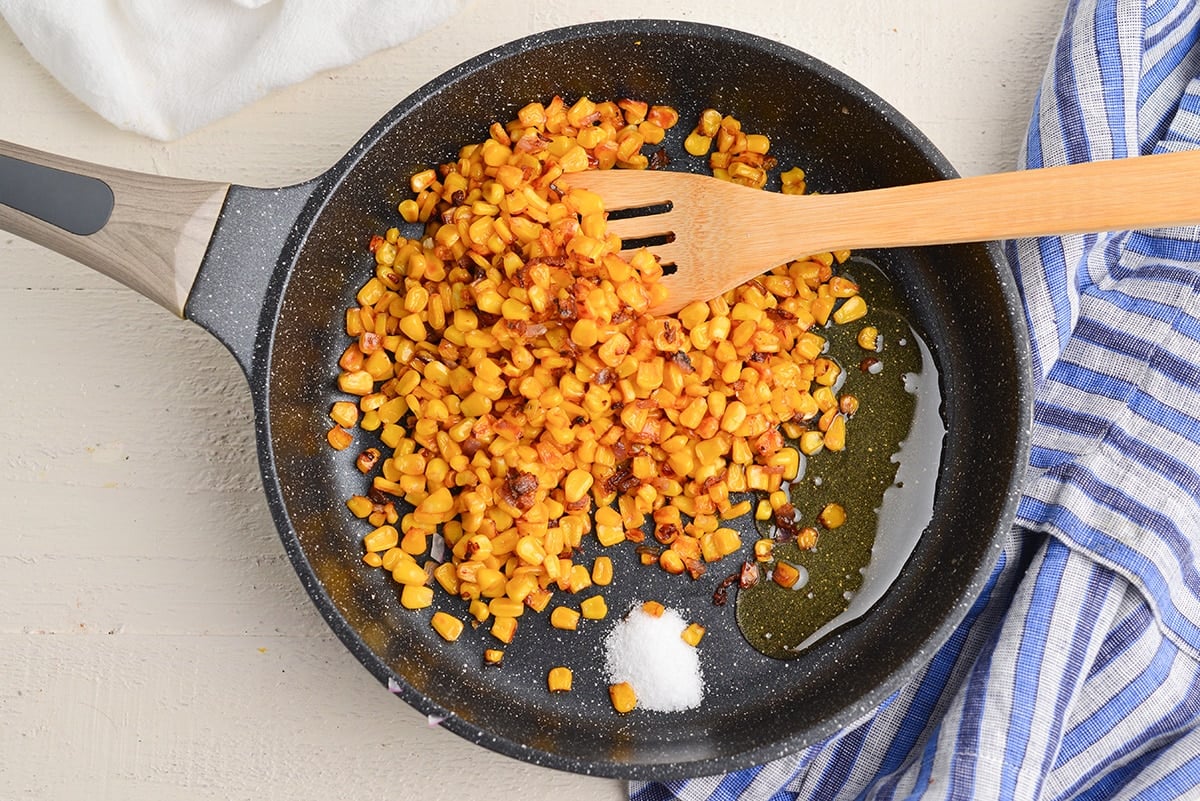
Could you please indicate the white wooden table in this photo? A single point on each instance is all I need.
(154, 640)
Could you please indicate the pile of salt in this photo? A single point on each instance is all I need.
(649, 653)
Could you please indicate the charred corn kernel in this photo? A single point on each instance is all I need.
(504, 628)
(622, 696)
(564, 618)
(493, 656)
(416, 596)
(602, 571)
(763, 549)
(832, 516)
(559, 679)
(594, 608)
(653, 608)
(381, 539)
(868, 338)
(848, 405)
(785, 575)
(539, 599)
(806, 538)
(693, 634)
(448, 626)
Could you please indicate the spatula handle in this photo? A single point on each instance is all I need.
(147, 231)
(1118, 194)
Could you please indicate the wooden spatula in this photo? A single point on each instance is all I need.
(722, 234)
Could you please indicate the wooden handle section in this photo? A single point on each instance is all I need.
(147, 231)
(1120, 194)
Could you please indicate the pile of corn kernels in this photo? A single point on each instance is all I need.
(525, 398)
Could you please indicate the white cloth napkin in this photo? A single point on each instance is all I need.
(163, 68)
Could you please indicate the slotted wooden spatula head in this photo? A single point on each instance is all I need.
(715, 234)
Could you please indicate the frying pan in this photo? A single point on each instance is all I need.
(270, 273)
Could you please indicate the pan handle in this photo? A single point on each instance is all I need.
(147, 231)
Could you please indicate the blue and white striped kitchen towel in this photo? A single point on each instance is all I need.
(1077, 673)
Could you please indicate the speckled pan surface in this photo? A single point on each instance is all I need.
(298, 255)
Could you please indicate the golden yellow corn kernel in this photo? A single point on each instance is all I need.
(506, 607)
(671, 562)
(852, 309)
(602, 571)
(576, 485)
(359, 506)
(381, 539)
(736, 510)
(793, 176)
(835, 434)
(447, 625)
(832, 516)
(785, 575)
(339, 438)
(493, 656)
(763, 549)
(344, 413)
(868, 338)
(478, 609)
(372, 559)
(504, 628)
(422, 179)
(392, 557)
(594, 608)
(407, 571)
(693, 634)
(763, 510)
(727, 540)
(697, 144)
(623, 698)
(559, 680)
(415, 596)
(356, 382)
(653, 608)
(564, 618)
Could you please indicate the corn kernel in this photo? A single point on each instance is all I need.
(693, 634)
(594, 608)
(602, 571)
(559, 679)
(448, 626)
(832, 516)
(415, 596)
(564, 618)
(623, 698)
